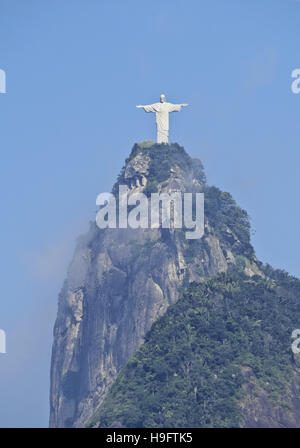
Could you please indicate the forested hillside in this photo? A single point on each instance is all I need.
(220, 357)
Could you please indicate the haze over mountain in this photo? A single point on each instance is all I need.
(156, 330)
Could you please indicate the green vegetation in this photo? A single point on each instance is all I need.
(230, 222)
(151, 187)
(146, 144)
(188, 371)
(163, 160)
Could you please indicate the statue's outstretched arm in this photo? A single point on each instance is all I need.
(176, 107)
(148, 108)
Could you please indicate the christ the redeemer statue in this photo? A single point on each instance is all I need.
(162, 110)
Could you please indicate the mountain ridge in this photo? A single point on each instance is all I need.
(121, 281)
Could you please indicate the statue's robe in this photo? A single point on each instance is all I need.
(162, 111)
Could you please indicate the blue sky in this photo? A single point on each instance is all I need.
(75, 71)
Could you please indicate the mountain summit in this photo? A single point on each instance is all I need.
(157, 330)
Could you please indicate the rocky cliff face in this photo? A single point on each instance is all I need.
(122, 280)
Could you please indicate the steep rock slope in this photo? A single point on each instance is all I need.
(122, 280)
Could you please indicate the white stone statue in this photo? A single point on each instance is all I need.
(162, 110)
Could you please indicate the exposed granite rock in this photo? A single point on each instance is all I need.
(258, 409)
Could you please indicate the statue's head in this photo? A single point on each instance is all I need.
(162, 98)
